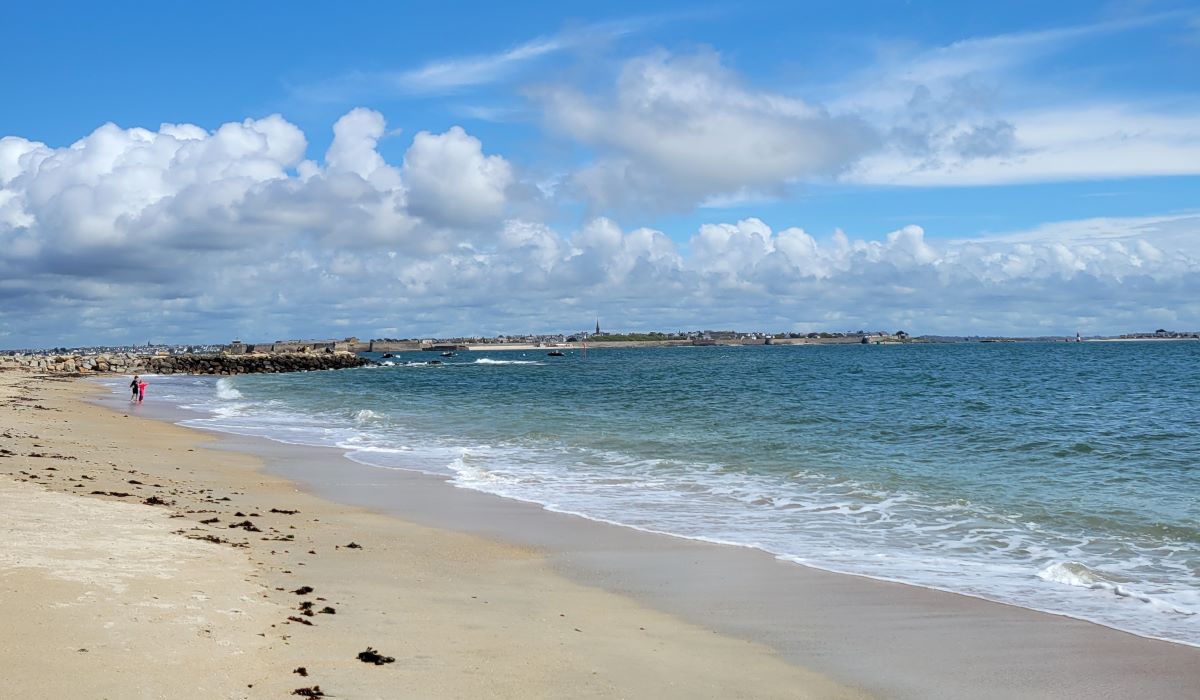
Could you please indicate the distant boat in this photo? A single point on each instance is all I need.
(447, 354)
(434, 362)
(555, 353)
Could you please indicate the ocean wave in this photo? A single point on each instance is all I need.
(810, 514)
(226, 390)
(366, 415)
(490, 361)
(1073, 573)
(356, 447)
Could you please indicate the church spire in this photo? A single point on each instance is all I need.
(597, 326)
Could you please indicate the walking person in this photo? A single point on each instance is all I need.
(133, 386)
(141, 391)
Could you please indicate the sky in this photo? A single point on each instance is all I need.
(195, 172)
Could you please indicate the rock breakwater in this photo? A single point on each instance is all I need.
(125, 363)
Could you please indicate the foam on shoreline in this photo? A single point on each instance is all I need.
(793, 522)
(745, 593)
(464, 616)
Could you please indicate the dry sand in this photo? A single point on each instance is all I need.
(896, 640)
(474, 595)
(108, 596)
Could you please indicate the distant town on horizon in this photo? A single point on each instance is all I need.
(602, 338)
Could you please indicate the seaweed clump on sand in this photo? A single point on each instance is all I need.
(370, 656)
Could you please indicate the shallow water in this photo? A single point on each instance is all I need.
(1060, 477)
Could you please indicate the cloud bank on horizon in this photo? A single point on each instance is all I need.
(187, 233)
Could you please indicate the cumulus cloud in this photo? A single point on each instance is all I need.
(116, 194)
(676, 131)
(355, 138)
(1078, 275)
(187, 234)
(680, 129)
(102, 205)
(451, 182)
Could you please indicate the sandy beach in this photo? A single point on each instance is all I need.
(147, 560)
(110, 593)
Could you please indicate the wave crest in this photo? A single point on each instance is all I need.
(1073, 573)
(366, 416)
(226, 390)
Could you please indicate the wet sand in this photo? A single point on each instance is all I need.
(476, 595)
(894, 640)
(141, 563)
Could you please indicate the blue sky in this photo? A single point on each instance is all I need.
(994, 168)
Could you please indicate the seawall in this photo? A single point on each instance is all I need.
(126, 363)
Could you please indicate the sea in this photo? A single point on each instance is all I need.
(1062, 477)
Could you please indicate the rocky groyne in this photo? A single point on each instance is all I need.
(127, 363)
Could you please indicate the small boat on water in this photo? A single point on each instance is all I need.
(447, 354)
(555, 353)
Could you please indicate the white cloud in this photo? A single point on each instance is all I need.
(447, 75)
(119, 198)
(888, 84)
(189, 234)
(1103, 141)
(459, 73)
(355, 138)
(682, 129)
(451, 182)
(992, 110)
(100, 192)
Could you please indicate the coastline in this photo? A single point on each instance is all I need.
(894, 639)
(891, 639)
(463, 615)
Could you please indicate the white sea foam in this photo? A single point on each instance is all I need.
(808, 517)
(358, 447)
(1073, 573)
(366, 416)
(490, 361)
(226, 390)
(845, 527)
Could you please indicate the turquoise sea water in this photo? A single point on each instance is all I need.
(1060, 477)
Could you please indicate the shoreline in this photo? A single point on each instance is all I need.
(894, 639)
(642, 614)
(462, 615)
(888, 637)
(1119, 616)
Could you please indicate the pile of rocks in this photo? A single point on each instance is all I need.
(127, 363)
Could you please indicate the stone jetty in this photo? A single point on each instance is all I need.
(226, 364)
